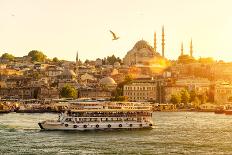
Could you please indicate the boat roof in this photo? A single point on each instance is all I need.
(111, 110)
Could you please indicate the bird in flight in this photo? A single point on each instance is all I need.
(114, 35)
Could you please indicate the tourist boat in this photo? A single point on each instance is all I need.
(228, 109)
(219, 110)
(111, 115)
(228, 112)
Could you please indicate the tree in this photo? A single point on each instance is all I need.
(7, 56)
(175, 98)
(185, 96)
(87, 61)
(207, 60)
(192, 95)
(37, 56)
(68, 92)
(118, 93)
(55, 59)
(196, 102)
(128, 78)
(35, 75)
(111, 60)
(203, 98)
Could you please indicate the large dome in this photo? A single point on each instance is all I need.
(107, 81)
(142, 44)
(141, 53)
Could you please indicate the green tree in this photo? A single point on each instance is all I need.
(185, 96)
(111, 60)
(175, 98)
(35, 75)
(7, 56)
(68, 92)
(203, 98)
(55, 59)
(128, 78)
(196, 102)
(87, 61)
(37, 56)
(193, 95)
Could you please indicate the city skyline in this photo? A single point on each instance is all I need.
(60, 29)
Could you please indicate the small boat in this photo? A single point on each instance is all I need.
(112, 115)
(228, 112)
(219, 111)
(4, 111)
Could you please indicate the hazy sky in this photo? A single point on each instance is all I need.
(61, 27)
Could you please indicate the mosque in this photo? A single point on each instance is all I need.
(143, 59)
(185, 58)
(144, 54)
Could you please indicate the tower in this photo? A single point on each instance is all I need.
(191, 48)
(77, 64)
(77, 59)
(155, 42)
(182, 49)
(163, 43)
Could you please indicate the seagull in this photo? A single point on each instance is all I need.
(114, 35)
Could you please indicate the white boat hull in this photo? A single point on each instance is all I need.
(94, 126)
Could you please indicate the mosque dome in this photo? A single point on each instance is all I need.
(141, 53)
(142, 44)
(107, 81)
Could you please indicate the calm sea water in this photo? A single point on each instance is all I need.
(173, 133)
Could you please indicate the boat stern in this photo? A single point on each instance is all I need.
(41, 125)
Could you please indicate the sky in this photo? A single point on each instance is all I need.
(60, 28)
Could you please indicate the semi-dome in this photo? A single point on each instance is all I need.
(107, 81)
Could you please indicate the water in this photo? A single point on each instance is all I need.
(174, 133)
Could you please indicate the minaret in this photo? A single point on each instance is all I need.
(77, 63)
(191, 48)
(182, 49)
(155, 42)
(77, 60)
(163, 43)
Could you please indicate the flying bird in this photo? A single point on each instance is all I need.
(114, 35)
